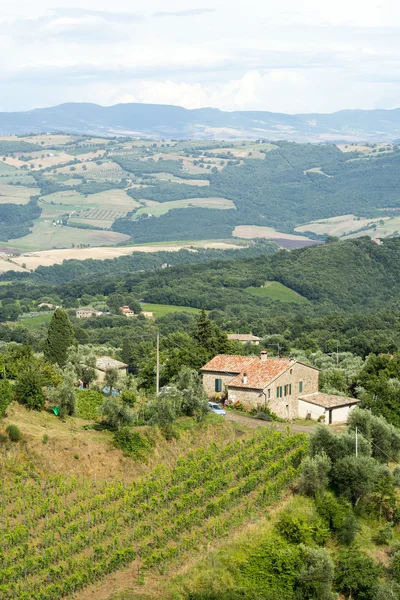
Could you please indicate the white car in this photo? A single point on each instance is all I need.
(215, 408)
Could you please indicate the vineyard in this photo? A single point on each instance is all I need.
(59, 535)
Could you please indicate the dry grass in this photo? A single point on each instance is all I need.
(16, 194)
(249, 232)
(46, 258)
(338, 226)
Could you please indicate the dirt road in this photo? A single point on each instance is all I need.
(250, 422)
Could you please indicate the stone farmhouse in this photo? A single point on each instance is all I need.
(87, 312)
(288, 387)
(245, 338)
(127, 312)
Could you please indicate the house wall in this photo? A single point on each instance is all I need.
(209, 378)
(285, 407)
(341, 414)
(315, 411)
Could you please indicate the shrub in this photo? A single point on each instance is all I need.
(384, 535)
(356, 574)
(14, 433)
(396, 476)
(6, 395)
(88, 404)
(28, 388)
(116, 413)
(300, 524)
(45, 438)
(314, 474)
(338, 516)
(316, 575)
(132, 443)
(386, 591)
(354, 477)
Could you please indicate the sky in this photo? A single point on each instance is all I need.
(292, 56)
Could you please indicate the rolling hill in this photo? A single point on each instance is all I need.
(156, 121)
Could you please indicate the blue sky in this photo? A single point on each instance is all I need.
(286, 56)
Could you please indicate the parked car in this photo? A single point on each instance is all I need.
(215, 408)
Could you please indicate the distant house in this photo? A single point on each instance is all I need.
(48, 305)
(87, 312)
(288, 387)
(106, 362)
(127, 312)
(245, 338)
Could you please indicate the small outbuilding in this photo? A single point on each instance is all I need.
(106, 362)
(245, 338)
(335, 409)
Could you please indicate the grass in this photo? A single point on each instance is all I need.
(38, 322)
(16, 194)
(45, 236)
(160, 310)
(278, 292)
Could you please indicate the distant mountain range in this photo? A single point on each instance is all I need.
(158, 121)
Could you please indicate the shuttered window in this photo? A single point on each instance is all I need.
(300, 386)
(218, 385)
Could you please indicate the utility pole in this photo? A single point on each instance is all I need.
(158, 365)
(356, 442)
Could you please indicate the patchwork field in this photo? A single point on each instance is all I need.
(352, 226)
(277, 291)
(169, 177)
(45, 235)
(158, 209)
(47, 258)
(287, 240)
(16, 194)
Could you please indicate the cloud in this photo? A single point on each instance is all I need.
(109, 16)
(191, 12)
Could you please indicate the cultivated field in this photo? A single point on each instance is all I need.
(47, 258)
(350, 225)
(158, 209)
(160, 310)
(16, 194)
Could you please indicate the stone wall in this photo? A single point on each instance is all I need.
(209, 381)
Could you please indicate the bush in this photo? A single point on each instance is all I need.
(316, 575)
(300, 524)
(116, 413)
(132, 443)
(396, 476)
(338, 516)
(45, 438)
(14, 433)
(354, 477)
(28, 389)
(88, 404)
(384, 535)
(356, 574)
(6, 395)
(314, 474)
(386, 591)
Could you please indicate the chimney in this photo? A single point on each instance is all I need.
(264, 356)
(245, 378)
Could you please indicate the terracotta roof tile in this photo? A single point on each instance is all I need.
(260, 373)
(106, 362)
(243, 337)
(225, 363)
(328, 400)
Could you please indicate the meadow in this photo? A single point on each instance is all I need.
(160, 310)
(276, 291)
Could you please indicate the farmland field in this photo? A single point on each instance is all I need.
(160, 310)
(276, 291)
(62, 534)
(161, 209)
(16, 194)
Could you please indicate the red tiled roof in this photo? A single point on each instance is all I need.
(259, 371)
(225, 363)
(243, 337)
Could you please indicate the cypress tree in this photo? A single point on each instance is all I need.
(60, 337)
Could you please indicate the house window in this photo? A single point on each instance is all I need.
(291, 371)
(279, 392)
(300, 386)
(218, 385)
(269, 393)
(290, 389)
(286, 390)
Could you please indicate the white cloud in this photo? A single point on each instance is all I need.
(258, 55)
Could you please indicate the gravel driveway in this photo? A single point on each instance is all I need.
(251, 422)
